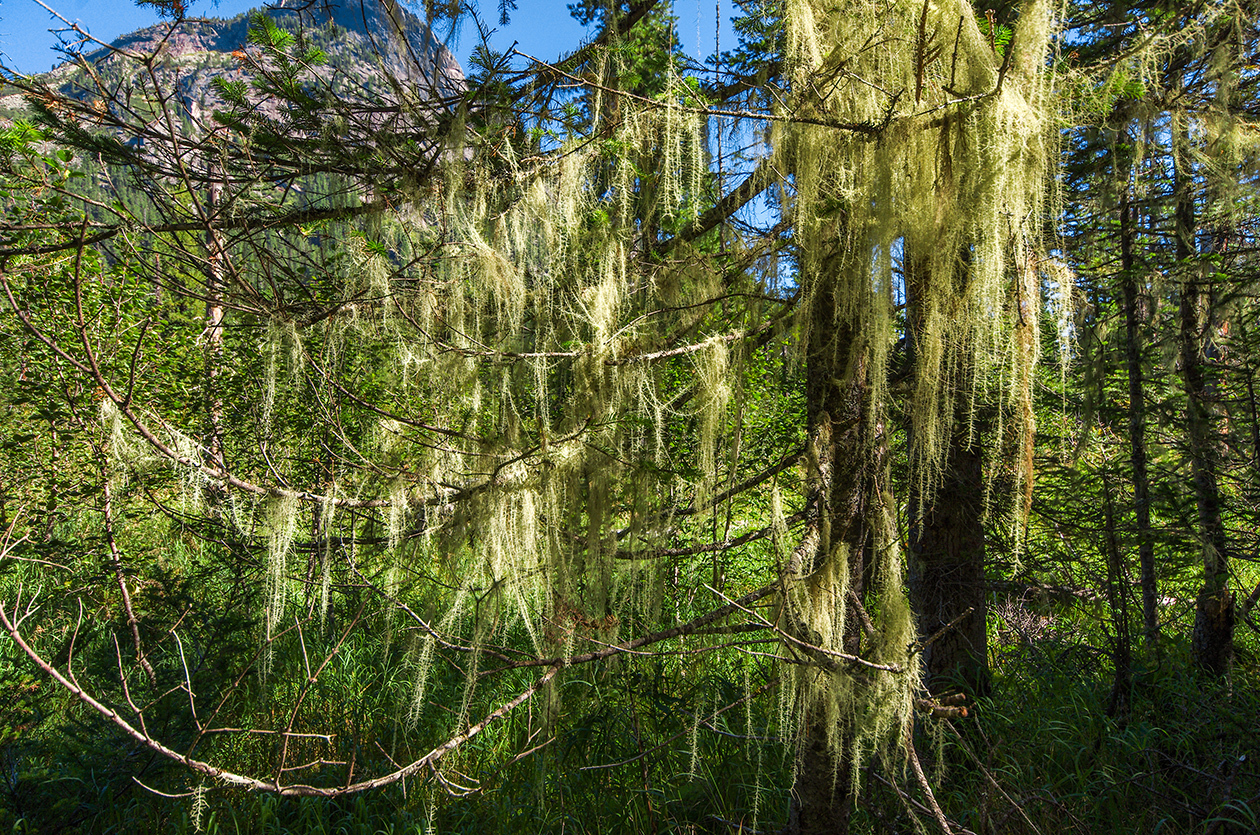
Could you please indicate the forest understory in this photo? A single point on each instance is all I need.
(853, 432)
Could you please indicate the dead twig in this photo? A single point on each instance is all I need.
(922, 780)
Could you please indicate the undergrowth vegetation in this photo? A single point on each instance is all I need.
(476, 454)
(673, 743)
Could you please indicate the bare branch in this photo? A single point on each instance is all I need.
(429, 760)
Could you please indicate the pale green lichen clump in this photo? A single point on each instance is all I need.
(513, 343)
(281, 520)
(521, 335)
(951, 189)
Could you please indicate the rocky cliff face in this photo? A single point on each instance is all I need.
(364, 37)
(366, 42)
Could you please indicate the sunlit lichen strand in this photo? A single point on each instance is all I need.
(936, 203)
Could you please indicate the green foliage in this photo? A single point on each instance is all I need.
(487, 399)
(1177, 762)
(19, 138)
(264, 32)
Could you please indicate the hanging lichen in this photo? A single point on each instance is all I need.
(281, 518)
(525, 395)
(911, 141)
(282, 349)
(126, 452)
(713, 377)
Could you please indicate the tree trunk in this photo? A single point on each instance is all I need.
(947, 544)
(1137, 425)
(822, 803)
(215, 270)
(1212, 640)
(845, 464)
(947, 574)
(1118, 603)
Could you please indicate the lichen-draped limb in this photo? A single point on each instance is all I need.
(956, 176)
(527, 335)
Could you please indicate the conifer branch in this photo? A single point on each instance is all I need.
(275, 786)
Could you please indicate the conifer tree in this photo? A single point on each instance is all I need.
(1172, 106)
(505, 397)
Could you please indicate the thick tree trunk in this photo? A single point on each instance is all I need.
(821, 799)
(1137, 425)
(845, 464)
(1118, 603)
(947, 575)
(1212, 640)
(947, 543)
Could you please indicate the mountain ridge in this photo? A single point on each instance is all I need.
(392, 31)
(365, 41)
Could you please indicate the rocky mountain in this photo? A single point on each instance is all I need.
(369, 44)
(380, 32)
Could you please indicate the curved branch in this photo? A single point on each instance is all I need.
(253, 783)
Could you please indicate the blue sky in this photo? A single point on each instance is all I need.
(542, 28)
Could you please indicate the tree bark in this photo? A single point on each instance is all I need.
(845, 463)
(947, 574)
(1212, 640)
(1118, 603)
(1137, 424)
(947, 542)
